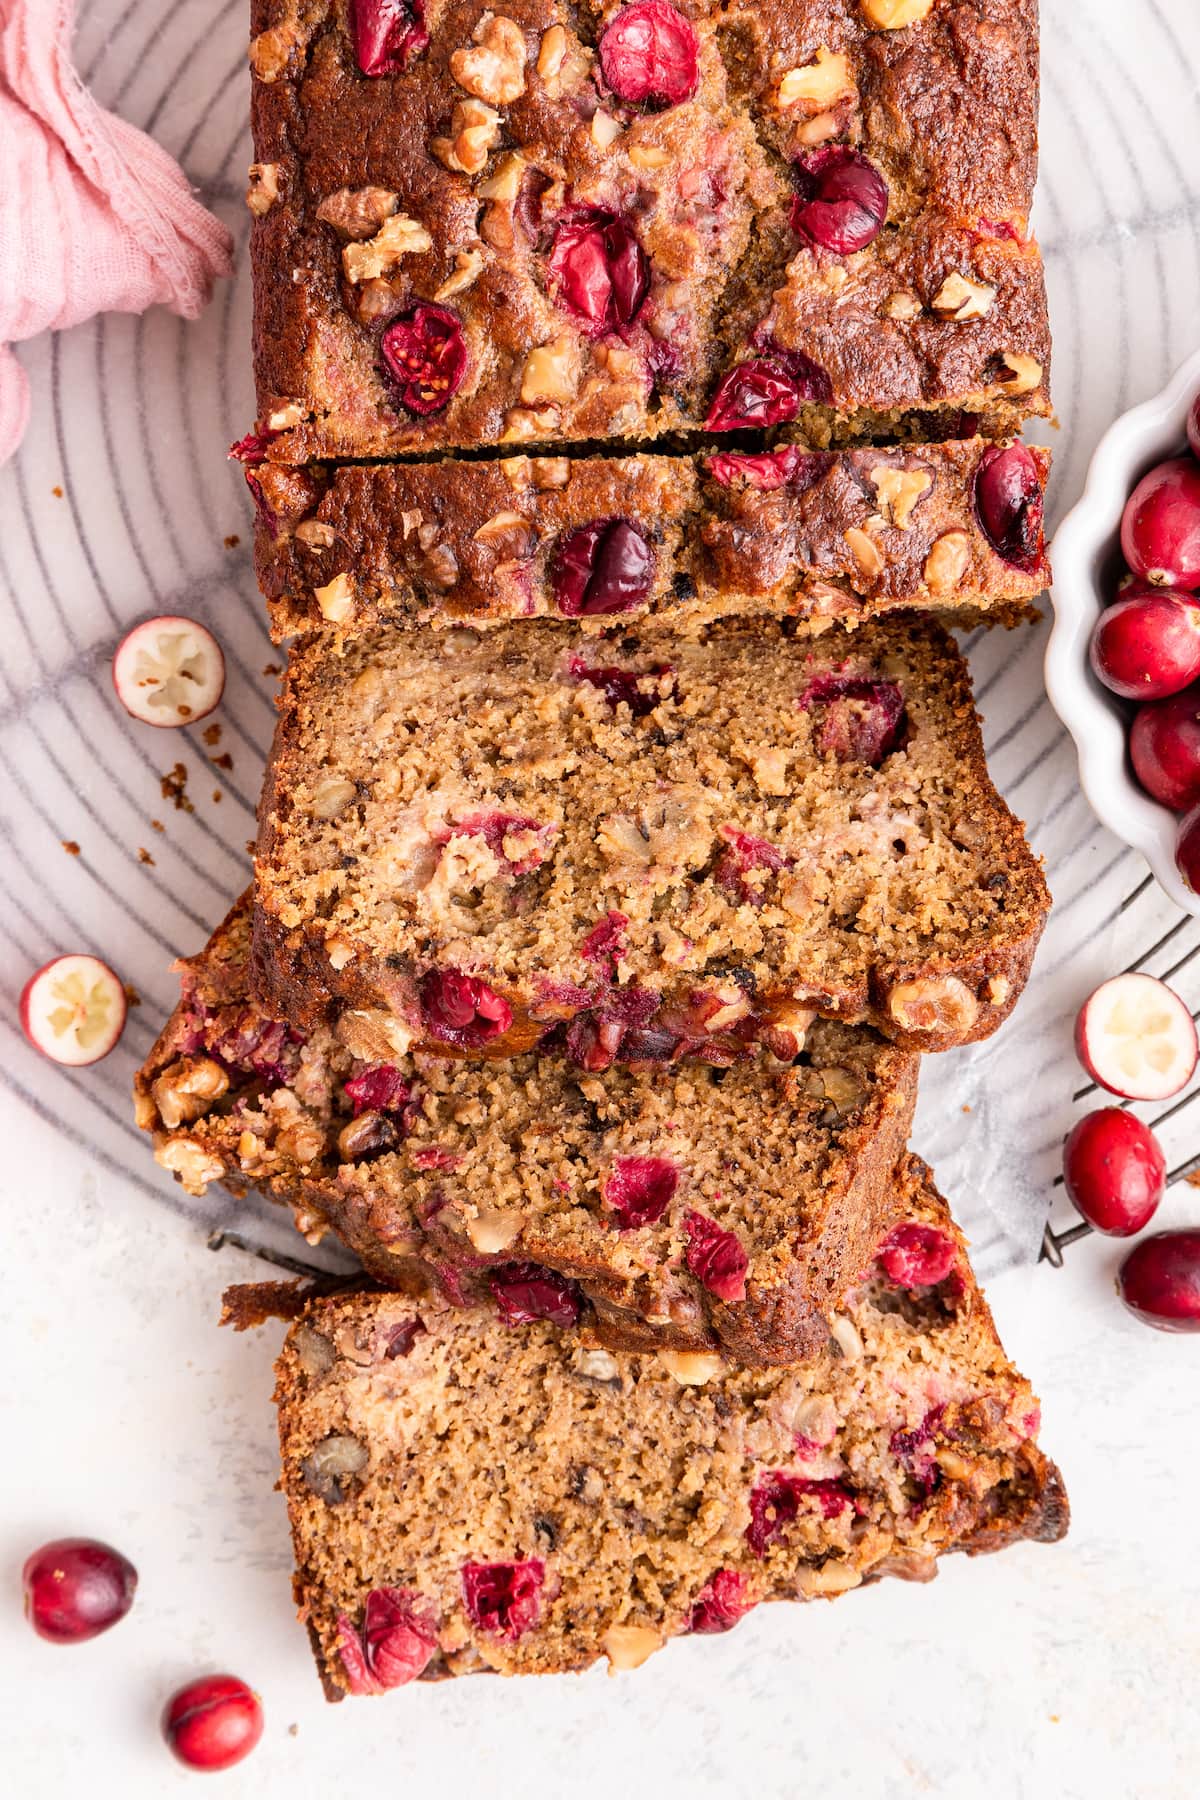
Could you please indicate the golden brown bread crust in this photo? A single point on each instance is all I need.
(945, 111)
(636, 818)
(477, 1169)
(910, 1435)
(824, 538)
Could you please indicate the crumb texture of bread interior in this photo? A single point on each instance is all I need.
(465, 1495)
(468, 1170)
(734, 820)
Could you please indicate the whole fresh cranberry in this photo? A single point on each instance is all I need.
(649, 55)
(394, 1644)
(427, 357)
(917, 1256)
(639, 1190)
(720, 1603)
(715, 1257)
(75, 1588)
(461, 1009)
(213, 1723)
(1193, 426)
(1010, 505)
(855, 719)
(1114, 1171)
(789, 467)
(1160, 527)
(1147, 646)
(504, 1599)
(387, 34)
(598, 270)
(600, 568)
(766, 390)
(1164, 745)
(1187, 849)
(1159, 1280)
(525, 1292)
(841, 201)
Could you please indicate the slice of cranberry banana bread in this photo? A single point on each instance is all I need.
(547, 223)
(469, 1494)
(643, 847)
(821, 536)
(691, 1209)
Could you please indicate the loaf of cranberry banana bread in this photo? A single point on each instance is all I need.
(547, 223)
(469, 1493)
(820, 536)
(690, 1210)
(640, 847)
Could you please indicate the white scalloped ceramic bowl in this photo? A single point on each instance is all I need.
(1087, 563)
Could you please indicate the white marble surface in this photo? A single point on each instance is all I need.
(1043, 1672)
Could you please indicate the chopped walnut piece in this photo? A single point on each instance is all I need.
(547, 472)
(263, 188)
(605, 129)
(398, 236)
(357, 213)
(285, 417)
(960, 298)
(898, 491)
(826, 1578)
(947, 562)
(866, 553)
(467, 266)
(336, 599)
(893, 15)
(474, 129)
(553, 52)
(194, 1165)
(1026, 372)
(522, 426)
(933, 1003)
(505, 181)
(315, 534)
(502, 527)
(496, 1230)
(495, 69)
(629, 1646)
(332, 797)
(691, 1368)
(819, 83)
(441, 567)
(271, 51)
(186, 1088)
(649, 156)
(901, 306)
(551, 372)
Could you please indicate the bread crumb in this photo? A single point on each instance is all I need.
(132, 997)
(966, 1108)
(1193, 1180)
(224, 761)
(217, 796)
(272, 669)
(145, 856)
(157, 825)
(232, 541)
(174, 788)
(212, 734)
(57, 492)
(70, 846)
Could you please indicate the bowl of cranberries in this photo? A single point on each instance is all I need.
(1123, 664)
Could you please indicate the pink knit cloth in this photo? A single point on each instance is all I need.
(94, 216)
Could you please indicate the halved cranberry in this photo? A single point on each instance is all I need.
(775, 1502)
(75, 1588)
(719, 1604)
(253, 447)
(649, 55)
(461, 1009)
(916, 1256)
(766, 390)
(622, 687)
(605, 943)
(494, 827)
(858, 720)
(378, 1088)
(715, 1257)
(841, 202)
(394, 1644)
(504, 1598)
(639, 1189)
(525, 1292)
(426, 356)
(598, 270)
(741, 855)
(1010, 504)
(789, 467)
(603, 567)
(387, 34)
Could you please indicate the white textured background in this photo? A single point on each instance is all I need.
(1045, 1672)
